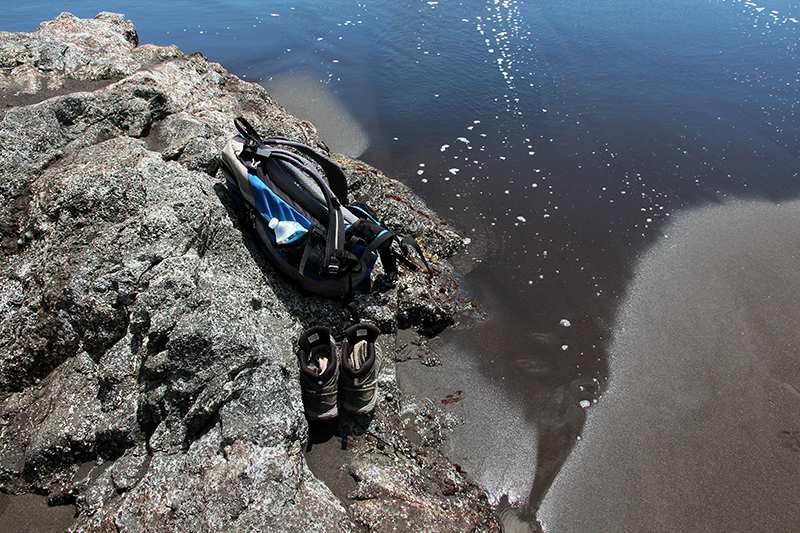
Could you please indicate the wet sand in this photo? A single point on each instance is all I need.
(29, 513)
(492, 439)
(699, 428)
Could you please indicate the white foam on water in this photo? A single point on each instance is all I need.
(775, 18)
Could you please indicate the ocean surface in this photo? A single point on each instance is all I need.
(568, 142)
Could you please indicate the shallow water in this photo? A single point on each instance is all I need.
(560, 137)
(699, 429)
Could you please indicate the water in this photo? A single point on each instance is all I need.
(698, 428)
(561, 138)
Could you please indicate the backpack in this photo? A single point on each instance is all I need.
(331, 246)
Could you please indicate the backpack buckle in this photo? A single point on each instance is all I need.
(333, 268)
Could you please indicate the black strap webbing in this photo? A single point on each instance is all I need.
(350, 303)
(411, 242)
(304, 257)
(246, 129)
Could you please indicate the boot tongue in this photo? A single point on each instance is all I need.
(359, 355)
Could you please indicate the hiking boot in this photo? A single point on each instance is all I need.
(361, 362)
(319, 373)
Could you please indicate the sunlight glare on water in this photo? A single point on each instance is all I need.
(559, 138)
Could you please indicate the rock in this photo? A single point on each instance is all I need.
(241, 487)
(147, 368)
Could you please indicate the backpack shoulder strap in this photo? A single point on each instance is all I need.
(336, 178)
(246, 129)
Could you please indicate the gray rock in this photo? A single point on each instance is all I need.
(147, 368)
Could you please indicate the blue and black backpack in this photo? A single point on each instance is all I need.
(331, 246)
